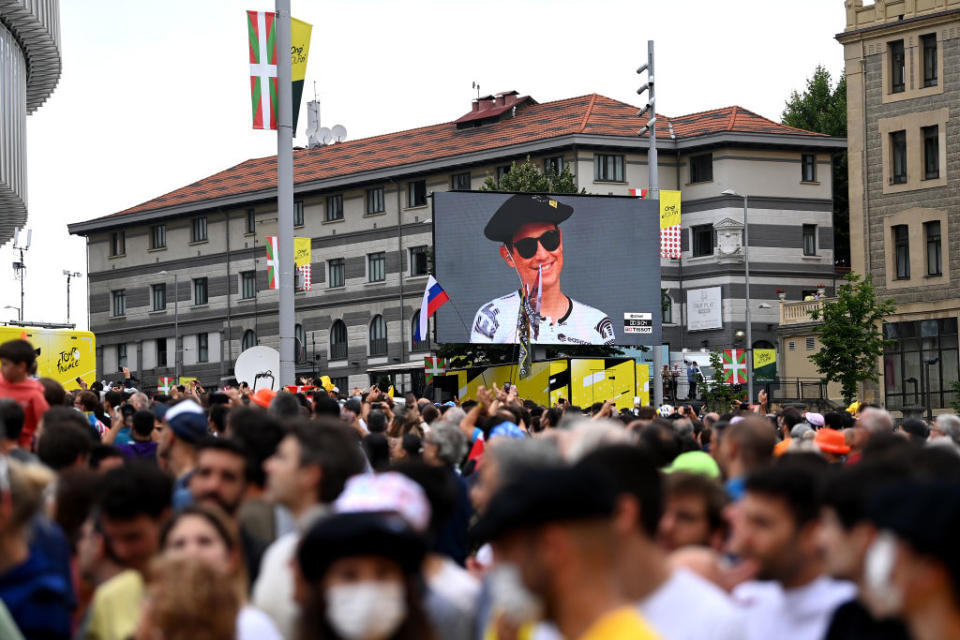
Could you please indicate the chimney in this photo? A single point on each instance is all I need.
(476, 106)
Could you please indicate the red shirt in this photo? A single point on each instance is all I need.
(29, 394)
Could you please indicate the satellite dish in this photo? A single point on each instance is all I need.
(259, 367)
(339, 132)
(325, 135)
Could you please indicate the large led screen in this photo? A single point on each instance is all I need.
(592, 262)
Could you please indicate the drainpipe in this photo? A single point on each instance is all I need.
(229, 302)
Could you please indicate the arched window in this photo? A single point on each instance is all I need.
(418, 345)
(338, 341)
(667, 309)
(378, 336)
(300, 343)
(249, 339)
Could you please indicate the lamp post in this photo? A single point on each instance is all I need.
(929, 362)
(19, 312)
(69, 274)
(746, 281)
(176, 326)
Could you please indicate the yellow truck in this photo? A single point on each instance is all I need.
(62, 354)
(580, 381)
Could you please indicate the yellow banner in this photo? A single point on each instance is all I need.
(669, 209)
(299, 48)
(764, 357)
(301, 251)
(186, 381)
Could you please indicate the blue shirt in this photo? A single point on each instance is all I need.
(736, 488)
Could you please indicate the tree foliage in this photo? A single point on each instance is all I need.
(823, 108)
(716, 394)
(851, 335)
(527, 177)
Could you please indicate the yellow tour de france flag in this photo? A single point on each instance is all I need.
(299, 52)
(670, 224)
(764, 365)
(301, 252)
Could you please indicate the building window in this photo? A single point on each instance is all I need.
(901, 244)
(251, 221)
(161, 352)
(931, 152)
(248, 285)
(300, 343)
(340, 384)
(607, 168)
(897, 67)
(668, 310)
(375, 200)
(931, 231)
(791, 346)
(929, 46)
(702, 240)
(298, 213)
(810, 344)
(460, 182)
(119, 302)
(808, 168)
(118, 243)
(376, 267)
(378, 336)
(199, 291)
(898, 149)
(121, 355)
(417, 193)
(701, 168)
(199, 229)
(809, 239)
(248, 342)
(418, 261)
(203, 347)
(158, 293)
(335, 271)
(553, 165)
(910, 346)
(502, 171)
(158, 236)
(338, 341)
(418, 345)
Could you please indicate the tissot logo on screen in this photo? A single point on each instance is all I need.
(531, 243)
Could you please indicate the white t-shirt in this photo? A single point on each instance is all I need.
(457, 586)
(496, 322)
(803, 613)
(687, 607)
(253, 624)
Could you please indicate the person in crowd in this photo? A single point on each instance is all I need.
(104, 457)
(142, 445)
(135, 501)
(786, 421)
(693, 512)
(912, 568)
(445, 447)
(555, 553)
(12, 416)
(505, 460)
(746, 446)
(832, 444)
(376, 446)
(220, 479)
(775, 527)
(17, 361)
(89, 403)
(947, 425)
(33, 588)
(205, 533)
(644, 574)
(305, 474)
(917, 430)
(64, 440)
(361, 577)
(186, 424)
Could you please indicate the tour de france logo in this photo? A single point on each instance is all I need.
(69, 359)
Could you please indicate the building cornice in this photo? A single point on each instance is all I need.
(853, 35)
(36, 26)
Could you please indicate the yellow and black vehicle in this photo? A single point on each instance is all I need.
(62, 354)
(580, 381)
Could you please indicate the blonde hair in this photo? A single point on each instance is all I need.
(189, 600)
(28, 484)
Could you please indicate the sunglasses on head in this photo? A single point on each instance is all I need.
(527, 247)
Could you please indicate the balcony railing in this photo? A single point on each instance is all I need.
(798, 312)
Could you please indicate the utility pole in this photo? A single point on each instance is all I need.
(20, 267)
(285, 194)
(653, 190)
(69, 274)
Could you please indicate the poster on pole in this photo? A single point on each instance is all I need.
(764, 365)
(704, 309)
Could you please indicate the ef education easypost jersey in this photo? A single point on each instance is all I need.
(496, 322)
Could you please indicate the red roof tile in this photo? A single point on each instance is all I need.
(591, 114)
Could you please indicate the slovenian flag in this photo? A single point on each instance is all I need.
(433, 298)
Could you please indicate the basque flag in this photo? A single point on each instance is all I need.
(433, 298)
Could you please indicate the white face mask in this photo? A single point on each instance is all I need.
(512, 598)
(882, 596)
(366, 610)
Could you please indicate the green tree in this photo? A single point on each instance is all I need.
(823, 108)
(851, 335)
(527, 177)
(716, 394)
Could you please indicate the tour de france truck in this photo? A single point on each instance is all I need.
(62, 354)
(579, 381)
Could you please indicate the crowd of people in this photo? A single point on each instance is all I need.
(223, 514)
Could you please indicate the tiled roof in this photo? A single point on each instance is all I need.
(590, 114)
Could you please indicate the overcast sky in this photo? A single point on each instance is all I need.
(155, 95)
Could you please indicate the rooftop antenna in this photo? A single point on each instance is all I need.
(19, 266)
(476, 85)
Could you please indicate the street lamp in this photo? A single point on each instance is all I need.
(929, 362)
(69, 274)
(19, 312)
(746, 281)
(176, 326)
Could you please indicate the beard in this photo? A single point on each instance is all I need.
(216, 499)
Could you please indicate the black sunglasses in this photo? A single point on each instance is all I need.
(527, 247)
